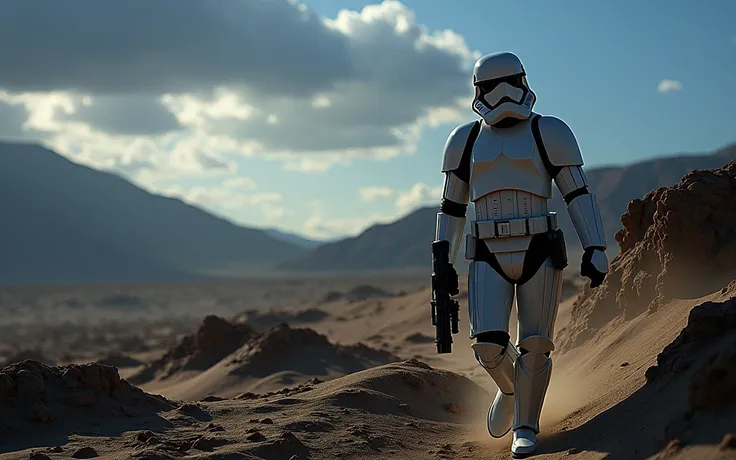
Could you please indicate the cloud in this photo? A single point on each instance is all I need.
(233, 198)
(12, 119)
(126, 115)
(321, 227)
(668, 86)
(370, 194)
(419, 195)
(103, 78)
(169, 46)
(240, 183)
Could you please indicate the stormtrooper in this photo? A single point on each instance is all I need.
(504, 163)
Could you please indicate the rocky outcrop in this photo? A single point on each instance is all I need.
(38, 399)
(305, 350)
(214, 340)
(708, 345)
(676, 242)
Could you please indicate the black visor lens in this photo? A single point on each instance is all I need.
(489, 85)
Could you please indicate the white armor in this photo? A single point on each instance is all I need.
(505, 164)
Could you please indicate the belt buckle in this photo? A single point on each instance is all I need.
(503, 228)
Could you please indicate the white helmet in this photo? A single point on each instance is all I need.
(502, 94)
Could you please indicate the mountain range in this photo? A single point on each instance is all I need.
(67, 223)
(63, 222)
(406, 242)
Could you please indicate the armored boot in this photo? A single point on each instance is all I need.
(532, 373)
(498, 361)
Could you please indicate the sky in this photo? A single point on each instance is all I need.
(324, 117)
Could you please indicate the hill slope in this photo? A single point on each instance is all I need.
(63, 222)
(292, 238)
(405, 243)
(401, 244)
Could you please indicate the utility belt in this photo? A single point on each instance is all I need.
(504, 228)
(552, 245)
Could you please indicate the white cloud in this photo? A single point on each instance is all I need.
(317, 163)
(370, 194)
(419, 195)
(353, 86)
(231, 199)
(668, 86)
(322, 227)
(241, 183)
(322, 224)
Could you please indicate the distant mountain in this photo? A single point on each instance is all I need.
(293, 238)
(64, 222)
(405, 243)
(385, 246)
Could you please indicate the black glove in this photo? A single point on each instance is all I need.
(453, 286)
(588, 270)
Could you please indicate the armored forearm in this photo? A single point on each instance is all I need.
(451, 218)
(582, 206)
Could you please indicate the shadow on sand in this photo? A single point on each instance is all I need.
(642, 425)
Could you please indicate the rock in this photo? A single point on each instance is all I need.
(255, 437)
(213, 427)
(208, 443)
(728, 442)
(85, 452)
(6, 385)
(144, 436)
(39, 456)
(28, 384)
(84, 398)
(42, 413)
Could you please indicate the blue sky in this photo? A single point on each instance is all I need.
(597, 65)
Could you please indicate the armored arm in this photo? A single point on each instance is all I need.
(566, 162)
(455, 193)
(449, 231)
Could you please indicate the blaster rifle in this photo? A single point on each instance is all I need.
(445, 309)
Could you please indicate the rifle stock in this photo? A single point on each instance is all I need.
(445, 309)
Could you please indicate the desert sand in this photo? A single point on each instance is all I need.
(326, 368)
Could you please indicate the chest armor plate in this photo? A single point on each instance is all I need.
(508, 159)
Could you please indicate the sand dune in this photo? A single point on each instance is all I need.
(215, 339)
(400, 410)
(227, 359)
